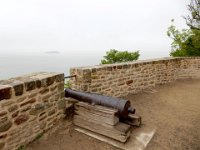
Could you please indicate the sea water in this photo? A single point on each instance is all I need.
(12, 65)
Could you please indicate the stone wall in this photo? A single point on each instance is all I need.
(132, 77)
(29, 106)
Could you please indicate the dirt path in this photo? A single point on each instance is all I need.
(172, 109)
(68, 139)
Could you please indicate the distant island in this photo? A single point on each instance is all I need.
(52, 52)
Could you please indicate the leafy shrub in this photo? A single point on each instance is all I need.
(115, 56)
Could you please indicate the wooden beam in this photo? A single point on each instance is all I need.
(97, 113)
(119, 132)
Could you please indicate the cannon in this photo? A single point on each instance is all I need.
(123, 106)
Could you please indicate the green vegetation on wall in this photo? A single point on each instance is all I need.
(115, 56)
(67, 84)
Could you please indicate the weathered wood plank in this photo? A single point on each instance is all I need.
(138, 140)
(97, 113)
(97, 108)
(98, 118)
(119, 132)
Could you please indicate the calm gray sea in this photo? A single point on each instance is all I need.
(12, 65)
(17, 64)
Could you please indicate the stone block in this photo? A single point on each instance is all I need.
(37, 109)
(50, 80)
(48, 105)
(15, 114)
(47, 81)
(84, 87)
(109, 68)
(44, 91)
(62, 95)
(3, 113)
(5, 92)
(38, 83)
(41, 114)
(87, 76)
(33, 100)
(51, 112)
(21, 119)
(18, 88)
(53, 87)
(94, 70)
(129, 82)
(30, 85)
(119, 67)
(6, 103)
(21, 98)
(25, 109)
(61, 86)
(3, 119)
(61, 104)
(31, 95)
(45, 98)
(12, 108)
(5, 125)
(42, 117)
(56, 97)
(59, 77)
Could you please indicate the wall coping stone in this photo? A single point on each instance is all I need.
(120, 79)
(28, 82)
(146, 61)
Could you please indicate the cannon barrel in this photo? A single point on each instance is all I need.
(123, 106)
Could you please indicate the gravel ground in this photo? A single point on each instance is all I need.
(172, 109)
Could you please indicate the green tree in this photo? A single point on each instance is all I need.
(193, 19)
(187, 41)
(115, 56)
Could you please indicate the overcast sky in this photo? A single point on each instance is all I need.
(89, 26)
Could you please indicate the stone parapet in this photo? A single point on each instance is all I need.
(29, 106)
(124, 78)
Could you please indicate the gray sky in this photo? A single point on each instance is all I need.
(89, 26)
